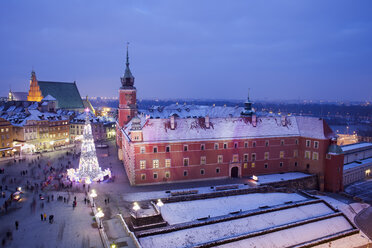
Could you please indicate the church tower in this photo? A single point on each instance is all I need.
(248, 110)
(34, 94)
(127, 96)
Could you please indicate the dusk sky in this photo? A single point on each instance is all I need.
(285, 50)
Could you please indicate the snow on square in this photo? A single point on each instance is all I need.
(71, 227)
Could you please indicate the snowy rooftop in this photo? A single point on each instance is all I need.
(49, 98)
(185, 111)
(357, 164)
(294, 224)
(355, 147)
(159, 130)
(19, 113)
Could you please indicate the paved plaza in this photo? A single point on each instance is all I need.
(76, 227)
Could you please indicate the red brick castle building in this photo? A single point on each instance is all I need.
(173, 148)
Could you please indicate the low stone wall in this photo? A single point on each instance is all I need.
(310, 182)
(290, 186)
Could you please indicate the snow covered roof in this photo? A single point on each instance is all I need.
(18, 113)
(49, 98)
(185, 111)
(359, 163)
(187, 129)
(356, 147)
(295, 221)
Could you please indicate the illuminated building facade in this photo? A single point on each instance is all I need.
(34, 94)
(174, 146)
(34, 127)
(6, 138)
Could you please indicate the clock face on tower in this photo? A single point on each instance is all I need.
(128, 98)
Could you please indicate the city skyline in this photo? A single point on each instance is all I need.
(287, 51)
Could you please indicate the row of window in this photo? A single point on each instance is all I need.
(167, 174)
(3, 144)
(5, 136)
(4, 130)
(225, 146)
(203, 159)
(202, 171)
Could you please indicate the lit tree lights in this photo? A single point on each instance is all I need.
(89, 169)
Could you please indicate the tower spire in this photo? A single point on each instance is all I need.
(127, 55)
(127, 80)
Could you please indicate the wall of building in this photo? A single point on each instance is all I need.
(358, 173)
(6, 138)
(248, 155)
(358, 155)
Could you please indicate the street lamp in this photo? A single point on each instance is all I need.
(160, 203)
(100, 215)
(93, 195)
(136, 207)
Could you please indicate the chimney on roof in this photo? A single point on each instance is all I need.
(254, 120)
(284, 120)
(172, 122)
(207, 123)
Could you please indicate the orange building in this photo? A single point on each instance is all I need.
(34, 94)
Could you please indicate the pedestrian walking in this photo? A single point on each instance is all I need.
(16, 224)
(105, 202)
(45, 216)
(85, 200)
(108, 200)
(41, 217)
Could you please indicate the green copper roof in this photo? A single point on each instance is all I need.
(67, 94)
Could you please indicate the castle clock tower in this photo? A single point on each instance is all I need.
(127, 96)
(127, 103)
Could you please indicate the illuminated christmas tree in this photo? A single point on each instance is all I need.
(89, 169)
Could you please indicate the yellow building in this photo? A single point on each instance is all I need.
(34, 94)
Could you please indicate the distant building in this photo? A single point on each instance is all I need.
(102, 128)
(17, 96)
(357, 162)
(347, 139)
(66, 94)
(34, 94)
(189, 144)
(35, 126)
(6, 138)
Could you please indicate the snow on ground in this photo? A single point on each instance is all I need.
(280, 177)
(202, 234)
(295, 235)
(71, 227)
(185, 211)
